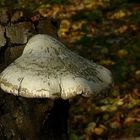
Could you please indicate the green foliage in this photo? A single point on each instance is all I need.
(120, 70)
(2, 2)
(60, 1)
(138, 41)
(85, 41)
(89, 41)
(134, 17)
(135, 125)
(29, 5)
(73, 137)
(95, 15)
(116, 3)
(7, 3)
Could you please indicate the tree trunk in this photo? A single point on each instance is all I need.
(56, 121)
(23, 118)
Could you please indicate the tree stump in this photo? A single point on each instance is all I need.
(23, 118)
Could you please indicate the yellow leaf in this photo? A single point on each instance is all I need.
(122, 29)
(64, 27)
(99, 130)
(107, 62)
(109, 108)
(121, 53)
(129, 120)
(78, 25)
(115, 124)
(90, 127)
(137, 74)
(117, 15)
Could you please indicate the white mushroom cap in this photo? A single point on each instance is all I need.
(47, 69)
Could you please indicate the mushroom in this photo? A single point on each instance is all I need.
(48, 69)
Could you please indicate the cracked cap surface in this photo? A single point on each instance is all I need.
(47, 69)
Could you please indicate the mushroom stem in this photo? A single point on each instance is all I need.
(55, 124)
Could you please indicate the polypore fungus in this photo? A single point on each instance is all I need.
(48, 69)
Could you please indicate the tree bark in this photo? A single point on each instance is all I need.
(56, 121)
(23, 118)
